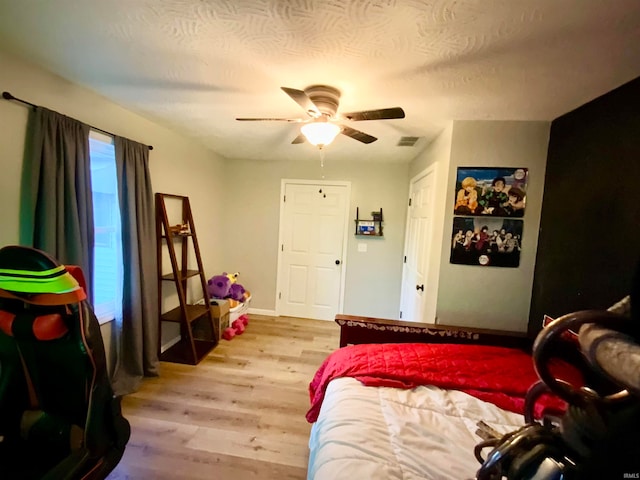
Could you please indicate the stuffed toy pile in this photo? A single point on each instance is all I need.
(226, 287)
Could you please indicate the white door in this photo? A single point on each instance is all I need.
(417, 247)
(312, 249)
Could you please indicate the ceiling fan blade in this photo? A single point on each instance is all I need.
(357, 134)
(299, 139)
(290, 120)
(302, 99)
(381, 114)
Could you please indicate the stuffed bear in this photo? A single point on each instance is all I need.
(218, 286)
(236, 291)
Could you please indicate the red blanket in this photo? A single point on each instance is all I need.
(494, 374)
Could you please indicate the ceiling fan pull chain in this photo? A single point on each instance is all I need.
(322, 163)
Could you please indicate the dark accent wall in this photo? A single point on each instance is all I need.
(589, 240)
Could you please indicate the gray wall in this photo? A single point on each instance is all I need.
(252, 220)
(438, 151)
(236, 203)
(491, 297)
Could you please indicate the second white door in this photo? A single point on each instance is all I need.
(417, 247)
(312, 249)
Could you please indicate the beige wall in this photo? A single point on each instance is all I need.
(493, 297)
(178, 164)
(252, 221)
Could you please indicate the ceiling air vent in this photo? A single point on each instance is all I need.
(408, 141)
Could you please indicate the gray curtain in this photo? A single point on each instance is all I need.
(57, 208)
(137, 349)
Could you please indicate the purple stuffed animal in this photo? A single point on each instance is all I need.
(218, 286)
(237, 292)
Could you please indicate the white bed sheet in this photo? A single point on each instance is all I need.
(370, 433)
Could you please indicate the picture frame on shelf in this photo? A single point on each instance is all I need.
(365, 227)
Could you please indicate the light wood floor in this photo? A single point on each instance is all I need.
(237, 415)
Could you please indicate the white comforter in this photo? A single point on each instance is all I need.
(369, 433)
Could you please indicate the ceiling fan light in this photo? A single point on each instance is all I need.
(320, 133)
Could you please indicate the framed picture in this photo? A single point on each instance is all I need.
(491, 191)
(366, 227)
(488, 242)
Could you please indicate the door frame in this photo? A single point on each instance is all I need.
(345, 240)
(431, 294)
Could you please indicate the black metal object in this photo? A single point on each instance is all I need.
(9, 96)
(595, 438)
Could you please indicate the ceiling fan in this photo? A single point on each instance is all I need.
(320, 102)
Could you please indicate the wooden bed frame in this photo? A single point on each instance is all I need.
(356, 329)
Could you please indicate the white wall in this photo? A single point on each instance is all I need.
(488, 297)
(252, 221)
(178, 164)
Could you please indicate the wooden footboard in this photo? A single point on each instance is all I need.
(355, 329)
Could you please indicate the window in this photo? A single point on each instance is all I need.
(107, 262)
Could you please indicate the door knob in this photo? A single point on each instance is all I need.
(337, 262)
(420, 287)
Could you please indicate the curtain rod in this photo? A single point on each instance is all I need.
(8, 96)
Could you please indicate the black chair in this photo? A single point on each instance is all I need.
(59, 418)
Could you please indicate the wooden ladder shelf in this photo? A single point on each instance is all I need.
(198, 330)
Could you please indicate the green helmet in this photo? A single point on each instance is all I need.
(32, 271)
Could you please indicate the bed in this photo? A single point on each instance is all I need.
(432, 385)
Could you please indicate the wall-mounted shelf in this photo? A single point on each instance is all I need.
(369, 227)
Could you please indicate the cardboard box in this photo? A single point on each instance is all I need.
(220, 312)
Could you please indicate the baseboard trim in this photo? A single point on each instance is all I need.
(262, 311)
(169, 344)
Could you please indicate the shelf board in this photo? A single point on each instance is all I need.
(177, 235)
(369, 235)
(193, 312)
(189, 274)
(181, 352)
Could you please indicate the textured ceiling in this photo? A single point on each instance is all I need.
(195, 65)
